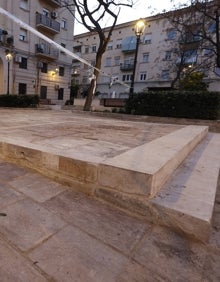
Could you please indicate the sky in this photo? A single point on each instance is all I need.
(141, 9)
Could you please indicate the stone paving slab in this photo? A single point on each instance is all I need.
(69, 251)
(27, 223)
(82, 259)
(117, 229)
(15, 267)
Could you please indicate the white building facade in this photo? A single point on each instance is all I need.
(36, 66)
(157, 59)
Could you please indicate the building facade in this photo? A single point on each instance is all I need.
(159, 56)
(28, 63)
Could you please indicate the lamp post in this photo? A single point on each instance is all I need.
(8, 57)
(139, 30)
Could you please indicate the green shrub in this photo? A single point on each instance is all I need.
(19, 101)
(184, 104)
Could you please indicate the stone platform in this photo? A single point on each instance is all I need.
(165, 173)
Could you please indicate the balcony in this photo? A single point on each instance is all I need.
(129, 44)
(126, 67)
(47, 24)
(54, 3)
(44, 50)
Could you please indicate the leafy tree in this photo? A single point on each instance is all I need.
(94, 15)
(193, 81)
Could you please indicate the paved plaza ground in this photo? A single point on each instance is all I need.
(52, 232)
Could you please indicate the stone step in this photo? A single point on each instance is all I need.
(186, 202)
(144, 170)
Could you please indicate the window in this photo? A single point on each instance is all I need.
(188, 57)
(46, 12)
(145, 57)
(84, 79)
(23, 34)
(93, 48)
(64, 46)
(110, 45)
(22, 88)
(23, 63)
(209, 52)
(129, 61)
(44, 68)
(143, 76)
(212, 27)
(24, 4)
(43, 92)
(171, 34)
(86, 50)
(165, 74)
(61, 71)
(118, 43)
(148, 38)
(168, 55)
(63, 24)
(126, 77)
(108, 62)
(93, 63)
(60, 93)
(117, 61)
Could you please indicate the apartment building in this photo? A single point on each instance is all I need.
(28, 63)
(157, 59)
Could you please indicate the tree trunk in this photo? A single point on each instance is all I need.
(89, 97)
(92, 87)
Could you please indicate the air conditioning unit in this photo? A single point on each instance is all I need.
(18, 59)
(57, 87)
(54, 15)
(40, 65)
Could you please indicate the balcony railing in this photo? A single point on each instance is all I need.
(47, 23)
(45, 50)
(126, 67)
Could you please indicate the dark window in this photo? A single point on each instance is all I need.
(61, 71)
(43, 92)
(22, 88)
(64, 46)
(44, 68)
(60, 93)
(93, 48)
(171, 34)
(23, 63)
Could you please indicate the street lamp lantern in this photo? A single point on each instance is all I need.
(140, 27)
(139, 30)
(8, 56)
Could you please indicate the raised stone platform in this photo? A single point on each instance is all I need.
(143, 170)
(128, 173)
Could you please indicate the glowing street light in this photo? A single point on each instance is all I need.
(139, 30)
(8, 57)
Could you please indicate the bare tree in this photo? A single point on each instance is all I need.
(94, 15)
(198, 29)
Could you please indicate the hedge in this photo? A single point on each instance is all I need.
(184, 104)
(19, 101)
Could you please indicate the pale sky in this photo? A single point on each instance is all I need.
(141, 9)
